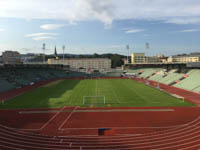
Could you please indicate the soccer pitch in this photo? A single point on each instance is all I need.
(94, 93)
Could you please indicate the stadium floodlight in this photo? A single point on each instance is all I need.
(43, 47)
(63, 53)
(127, 47)
(147, 45)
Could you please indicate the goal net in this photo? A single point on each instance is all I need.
(94, 100)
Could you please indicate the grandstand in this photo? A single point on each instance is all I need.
(188, 81)
(11, 78)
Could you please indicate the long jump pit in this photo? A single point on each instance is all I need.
(74, 121)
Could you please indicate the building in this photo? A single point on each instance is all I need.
(11, 57)
(140, 58)
(183, 59)
(86, 64)
(137, 58)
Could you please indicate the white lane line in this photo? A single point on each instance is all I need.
(69, 116)
(47, 123)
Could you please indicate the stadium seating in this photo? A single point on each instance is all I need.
(18, 77)
(5, 86)
(168, 77)
(146, 72)
(157, 76)
(191, 82)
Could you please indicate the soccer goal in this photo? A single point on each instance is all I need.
(94, 100)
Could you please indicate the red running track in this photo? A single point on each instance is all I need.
(178, 129)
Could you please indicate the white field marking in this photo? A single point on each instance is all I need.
(27, 142)
(167, 143)
(91, 103)
(133, 140)
(144, 98)
(92, 135)
(183, 141)
(153, 142)
(159, 135)
(29, 136)
(31, 139)
(68, 117)
(126, 145)
(123, 136)
(190, 147)
(70, 144)
(130, 141)
(176, 126)
(118, 101)
(76, 87)
(31, 147)
(47, 123)
(168, 147)
(43, 138)
(4, 146)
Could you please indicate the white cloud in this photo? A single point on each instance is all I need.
(40, 34)
(134, 31)
(190, 30)
(1, 29)
(170, 11)
(51, 26)
(184, 20)
(43, 38)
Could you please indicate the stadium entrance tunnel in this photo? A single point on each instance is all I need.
(106, 132)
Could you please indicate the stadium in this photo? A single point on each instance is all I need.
(142, 107)
(99, 75)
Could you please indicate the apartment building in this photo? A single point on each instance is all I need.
(101, 64)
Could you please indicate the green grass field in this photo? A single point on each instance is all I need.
(117, 93)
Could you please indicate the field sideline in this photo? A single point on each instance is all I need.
(117, 93)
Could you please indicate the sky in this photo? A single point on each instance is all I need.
(100, 26)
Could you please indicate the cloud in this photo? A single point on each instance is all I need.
(184, 20)
(51, 26)
(1, 29)
(40, 34)
(106, 11)
(190, 30)
(43, 38)
(134, 31)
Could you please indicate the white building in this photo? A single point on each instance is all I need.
(11, 57)
(87, 64)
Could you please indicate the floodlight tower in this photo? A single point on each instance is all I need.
(63, 53)
(43, 47)
(147, 45)
(127, 47)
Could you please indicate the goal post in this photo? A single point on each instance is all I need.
(94, 100)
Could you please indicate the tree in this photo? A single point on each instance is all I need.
(116, 60)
